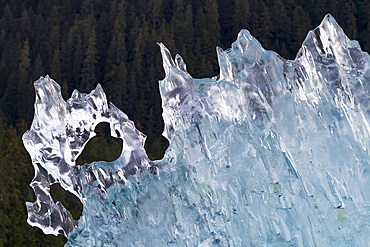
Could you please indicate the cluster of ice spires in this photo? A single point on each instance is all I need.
(271, 152)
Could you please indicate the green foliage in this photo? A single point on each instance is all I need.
(301, 23)
(101, 147)
(113, 42)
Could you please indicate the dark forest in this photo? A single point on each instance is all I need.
(113, 42)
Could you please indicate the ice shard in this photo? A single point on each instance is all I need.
(272, 152)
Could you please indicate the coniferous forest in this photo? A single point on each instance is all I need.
(113, 42)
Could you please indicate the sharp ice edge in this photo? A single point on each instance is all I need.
(271, 152)
(59, 132)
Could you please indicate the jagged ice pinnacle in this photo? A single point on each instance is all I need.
(271, 152)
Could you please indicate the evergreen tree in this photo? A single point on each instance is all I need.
(12, 209)
(6, 23)
(301, 25)
(25, 23)
(117, 51)
(53, 39)
(350, 19)
(208, 29)
(264, 28)
(89, 64)
(77, 61)
(280, 24)
(25, 62)
(241, 15)
(24, 84)
(38, 68)
(226, 21)
(116, 73)
(56, 72)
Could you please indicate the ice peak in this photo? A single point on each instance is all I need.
(271, 152)
(328, 42)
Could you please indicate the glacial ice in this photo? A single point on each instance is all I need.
(271, 152)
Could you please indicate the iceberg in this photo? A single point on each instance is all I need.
(271, 152)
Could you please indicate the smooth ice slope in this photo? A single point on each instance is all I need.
(271, 152)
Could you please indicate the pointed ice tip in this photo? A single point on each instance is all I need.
(46, 82)
(328, 19)
(75, 94)
(38, 81)
(330, 24)
(329, 16)
(327, 39)
(180, 63)
(166, 57)
(219, 50)
(99, 92)
(98, 87)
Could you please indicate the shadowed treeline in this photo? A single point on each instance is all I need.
(113, 42)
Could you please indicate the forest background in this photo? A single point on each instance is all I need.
(113, 42)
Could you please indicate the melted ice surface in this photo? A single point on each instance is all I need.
(58, 134)
(271, 152)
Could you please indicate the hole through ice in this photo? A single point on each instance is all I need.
(101, 147)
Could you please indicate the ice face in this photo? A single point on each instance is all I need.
(271, 152)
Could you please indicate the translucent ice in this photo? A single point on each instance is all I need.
(271, 152)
